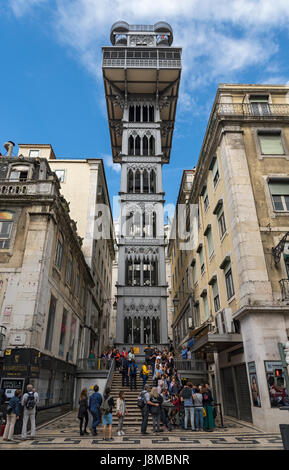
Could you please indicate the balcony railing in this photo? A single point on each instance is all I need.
(284, 285)
(190, 365)
(143, 63)
(264, 110)
(96, 364)
(27, 187)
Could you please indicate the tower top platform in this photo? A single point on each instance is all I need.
(124, 34)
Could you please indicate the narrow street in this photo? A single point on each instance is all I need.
(63, 434)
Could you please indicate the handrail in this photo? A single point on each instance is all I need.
(110, 374)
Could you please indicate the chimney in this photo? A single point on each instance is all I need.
(9, 147)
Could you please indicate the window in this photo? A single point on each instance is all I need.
(209, 235)
(63, 332)
(197, 314)
(206, 305)
(271, 142)
(34, 153)
(60, 175)
(279, 190)
(19, 173)
(215, 171)
(216, 296)
(59, 250)
(206, 200)
(229, 282)
(202, 262)
(72, 337)
(222, 224)
(6, 224)
(69, 269)
(50, 323)
(195, 273)
(259, 105)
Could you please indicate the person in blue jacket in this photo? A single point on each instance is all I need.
(132, 373)
(12, 415)
(95, 401)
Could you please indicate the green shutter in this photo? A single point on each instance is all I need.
(271, 144)
(210, 242)
(215, 289)
(279, 188)
(201, 256)
(215, 168)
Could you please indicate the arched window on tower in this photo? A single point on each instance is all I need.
(152, 145)
(145, 183)
(137, 145)
(137, 113)
(131, 114)
(145, 146)
(128, 330)
(151, 113)
(152, 188)
(147, 330)
(145, 113)
(130, 181)
(136, 330)
(137, 182)
(131, 145)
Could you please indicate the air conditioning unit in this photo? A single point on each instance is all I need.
(224, 322)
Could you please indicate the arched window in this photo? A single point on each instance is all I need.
(137, 182)
(151, 145)
(128, 330)
(147, 330)
(145, 114)
(137, 145)
(136, 330)
(137, 113)
(131, 145)
(152, 188)
(6, 224)
(130, 181)
(145, 146)
(131, 114)
(155, 330)
(145, 181)
(151, 114)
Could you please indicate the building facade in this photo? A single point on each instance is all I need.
(141, 74)
(45, 282)
(83, 184)
(238, 267)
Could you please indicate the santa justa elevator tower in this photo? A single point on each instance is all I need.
(141, 74)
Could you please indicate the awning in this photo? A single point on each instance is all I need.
(213, 342)
(191, 342)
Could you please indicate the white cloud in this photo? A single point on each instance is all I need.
(109, 163)
(219, 38)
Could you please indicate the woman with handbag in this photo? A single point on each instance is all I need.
(120, 412)
(83, 411)
(12, 415)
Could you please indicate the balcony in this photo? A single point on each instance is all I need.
(284, 285)
(255, 110)
(26, 188)
(128, 58)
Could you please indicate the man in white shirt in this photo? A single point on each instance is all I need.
(29, 402)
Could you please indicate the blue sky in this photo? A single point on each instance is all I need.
(51, 80)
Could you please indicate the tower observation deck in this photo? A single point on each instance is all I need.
(141, 73)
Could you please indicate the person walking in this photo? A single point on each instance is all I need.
(156, 399)
(120, 412)
(187, 399)
(144, 374)
(145, 395)
(132, 373)
(124, 371)
(12, 415)
(106, 410)
(207, 404)
(83, 411)
(198, 402)
(29, 403)
(95, 402)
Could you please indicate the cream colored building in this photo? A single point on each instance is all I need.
(83, 184)
(238, 269)
(45, 283)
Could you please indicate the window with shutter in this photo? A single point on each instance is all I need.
(271, 143)
(279, 190)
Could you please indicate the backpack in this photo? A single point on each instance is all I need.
(105, 408)
(141, 401)
(31, 402)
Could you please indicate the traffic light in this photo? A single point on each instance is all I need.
(278, 372)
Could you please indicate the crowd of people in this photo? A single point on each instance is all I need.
(171, 401)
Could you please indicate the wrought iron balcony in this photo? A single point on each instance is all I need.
(256, 110)
(130, 58)
(284, 285)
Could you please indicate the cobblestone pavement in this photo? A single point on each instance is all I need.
(63, 433)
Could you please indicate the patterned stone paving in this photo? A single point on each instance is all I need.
(63, 433)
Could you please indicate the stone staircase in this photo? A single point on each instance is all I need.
(133, 417)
